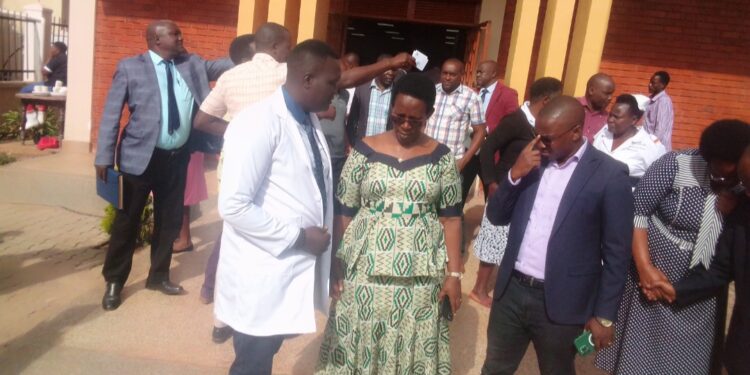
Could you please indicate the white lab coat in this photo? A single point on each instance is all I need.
(268, 192)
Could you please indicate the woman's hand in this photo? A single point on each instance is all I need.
(452, 290)
(650, 276)
(337, 279)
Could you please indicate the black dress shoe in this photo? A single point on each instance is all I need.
(166, 287)
(221, 334)
(111, 299)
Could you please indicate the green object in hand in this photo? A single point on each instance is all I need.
(584, 343)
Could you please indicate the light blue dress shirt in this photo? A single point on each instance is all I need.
(185, 103)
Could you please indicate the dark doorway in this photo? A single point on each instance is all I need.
(369, 38)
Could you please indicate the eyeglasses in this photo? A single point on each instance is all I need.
(413, 122)
(548, 139)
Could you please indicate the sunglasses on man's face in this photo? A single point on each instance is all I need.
(547, 139)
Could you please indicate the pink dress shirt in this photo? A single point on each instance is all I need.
(594, 121)
(532, 255)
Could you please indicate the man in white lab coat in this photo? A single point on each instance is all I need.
(277, 205)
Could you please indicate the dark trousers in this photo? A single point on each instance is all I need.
(165, 178)
(209, 277)
(253, 355)
(470, 172)
(520, 317)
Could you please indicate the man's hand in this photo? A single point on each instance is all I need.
(601, 335)
(529, 159)
(316, 240)
(665, 289)
(337, 278)
(101, 172)
(402, 61)
(648, 276)
(461, 163)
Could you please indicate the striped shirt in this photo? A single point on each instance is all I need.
(377, 115)
(660, 118)
(455, 113)
(243, 85)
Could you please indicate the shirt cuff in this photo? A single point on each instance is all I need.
(47, 69)
(514, 183)
(640, 222)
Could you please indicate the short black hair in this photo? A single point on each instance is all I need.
(417, 86)
(60, 47)
(663, 77)
(306, 51)
(544, 87)
(240, 49)
(725, 140)
(632, 104)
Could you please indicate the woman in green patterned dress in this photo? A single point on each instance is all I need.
(399, 257)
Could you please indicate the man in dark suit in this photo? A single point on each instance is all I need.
(571, 213)
(162, 88)
(731, 262)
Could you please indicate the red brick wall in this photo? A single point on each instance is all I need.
(208, 27)
(705, 47)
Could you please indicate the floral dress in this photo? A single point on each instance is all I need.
(387, 320)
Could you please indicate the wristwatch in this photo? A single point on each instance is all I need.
(457, 275)
(604, 322)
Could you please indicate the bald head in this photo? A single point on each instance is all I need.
(599, 90)
(165, 39)
(486, 73)
(273, 39)
(351, 60)
(565, 108)
(560, 126)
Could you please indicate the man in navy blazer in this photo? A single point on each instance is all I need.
(570, 210)
(161, 88)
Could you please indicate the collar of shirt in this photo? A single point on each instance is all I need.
(457, 91)
(527, 111)
(264, 58)
(374, 84)
(158, 59)
(297, 112)
(490, 89)
(573, 159)
(588, 108)
(658, 96)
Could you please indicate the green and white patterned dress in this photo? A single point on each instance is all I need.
(387, 320)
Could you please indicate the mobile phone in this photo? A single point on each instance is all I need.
(446, 311)
(585, 344)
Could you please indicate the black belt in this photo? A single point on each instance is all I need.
(169, 153)
(530, 281)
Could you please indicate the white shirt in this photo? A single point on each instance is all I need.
(266, 286)
(527, 112)
(486, 102)
(638, 152)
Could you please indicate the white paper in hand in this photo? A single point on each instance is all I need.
(420, 59)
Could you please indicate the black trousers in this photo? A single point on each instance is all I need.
(470, 172)
(165, 178)
(253, 355)
(520, 317)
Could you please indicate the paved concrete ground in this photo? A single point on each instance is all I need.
(51, 321)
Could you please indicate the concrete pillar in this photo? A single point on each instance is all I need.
(286, 12)
(36, 49)
(521, 45)
(80, 71)
(586, 48)
(252, 14)
(313, 20)
(493, 11)
(554, 46)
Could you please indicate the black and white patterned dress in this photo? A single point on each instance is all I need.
(489, 246)
(674, 201)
